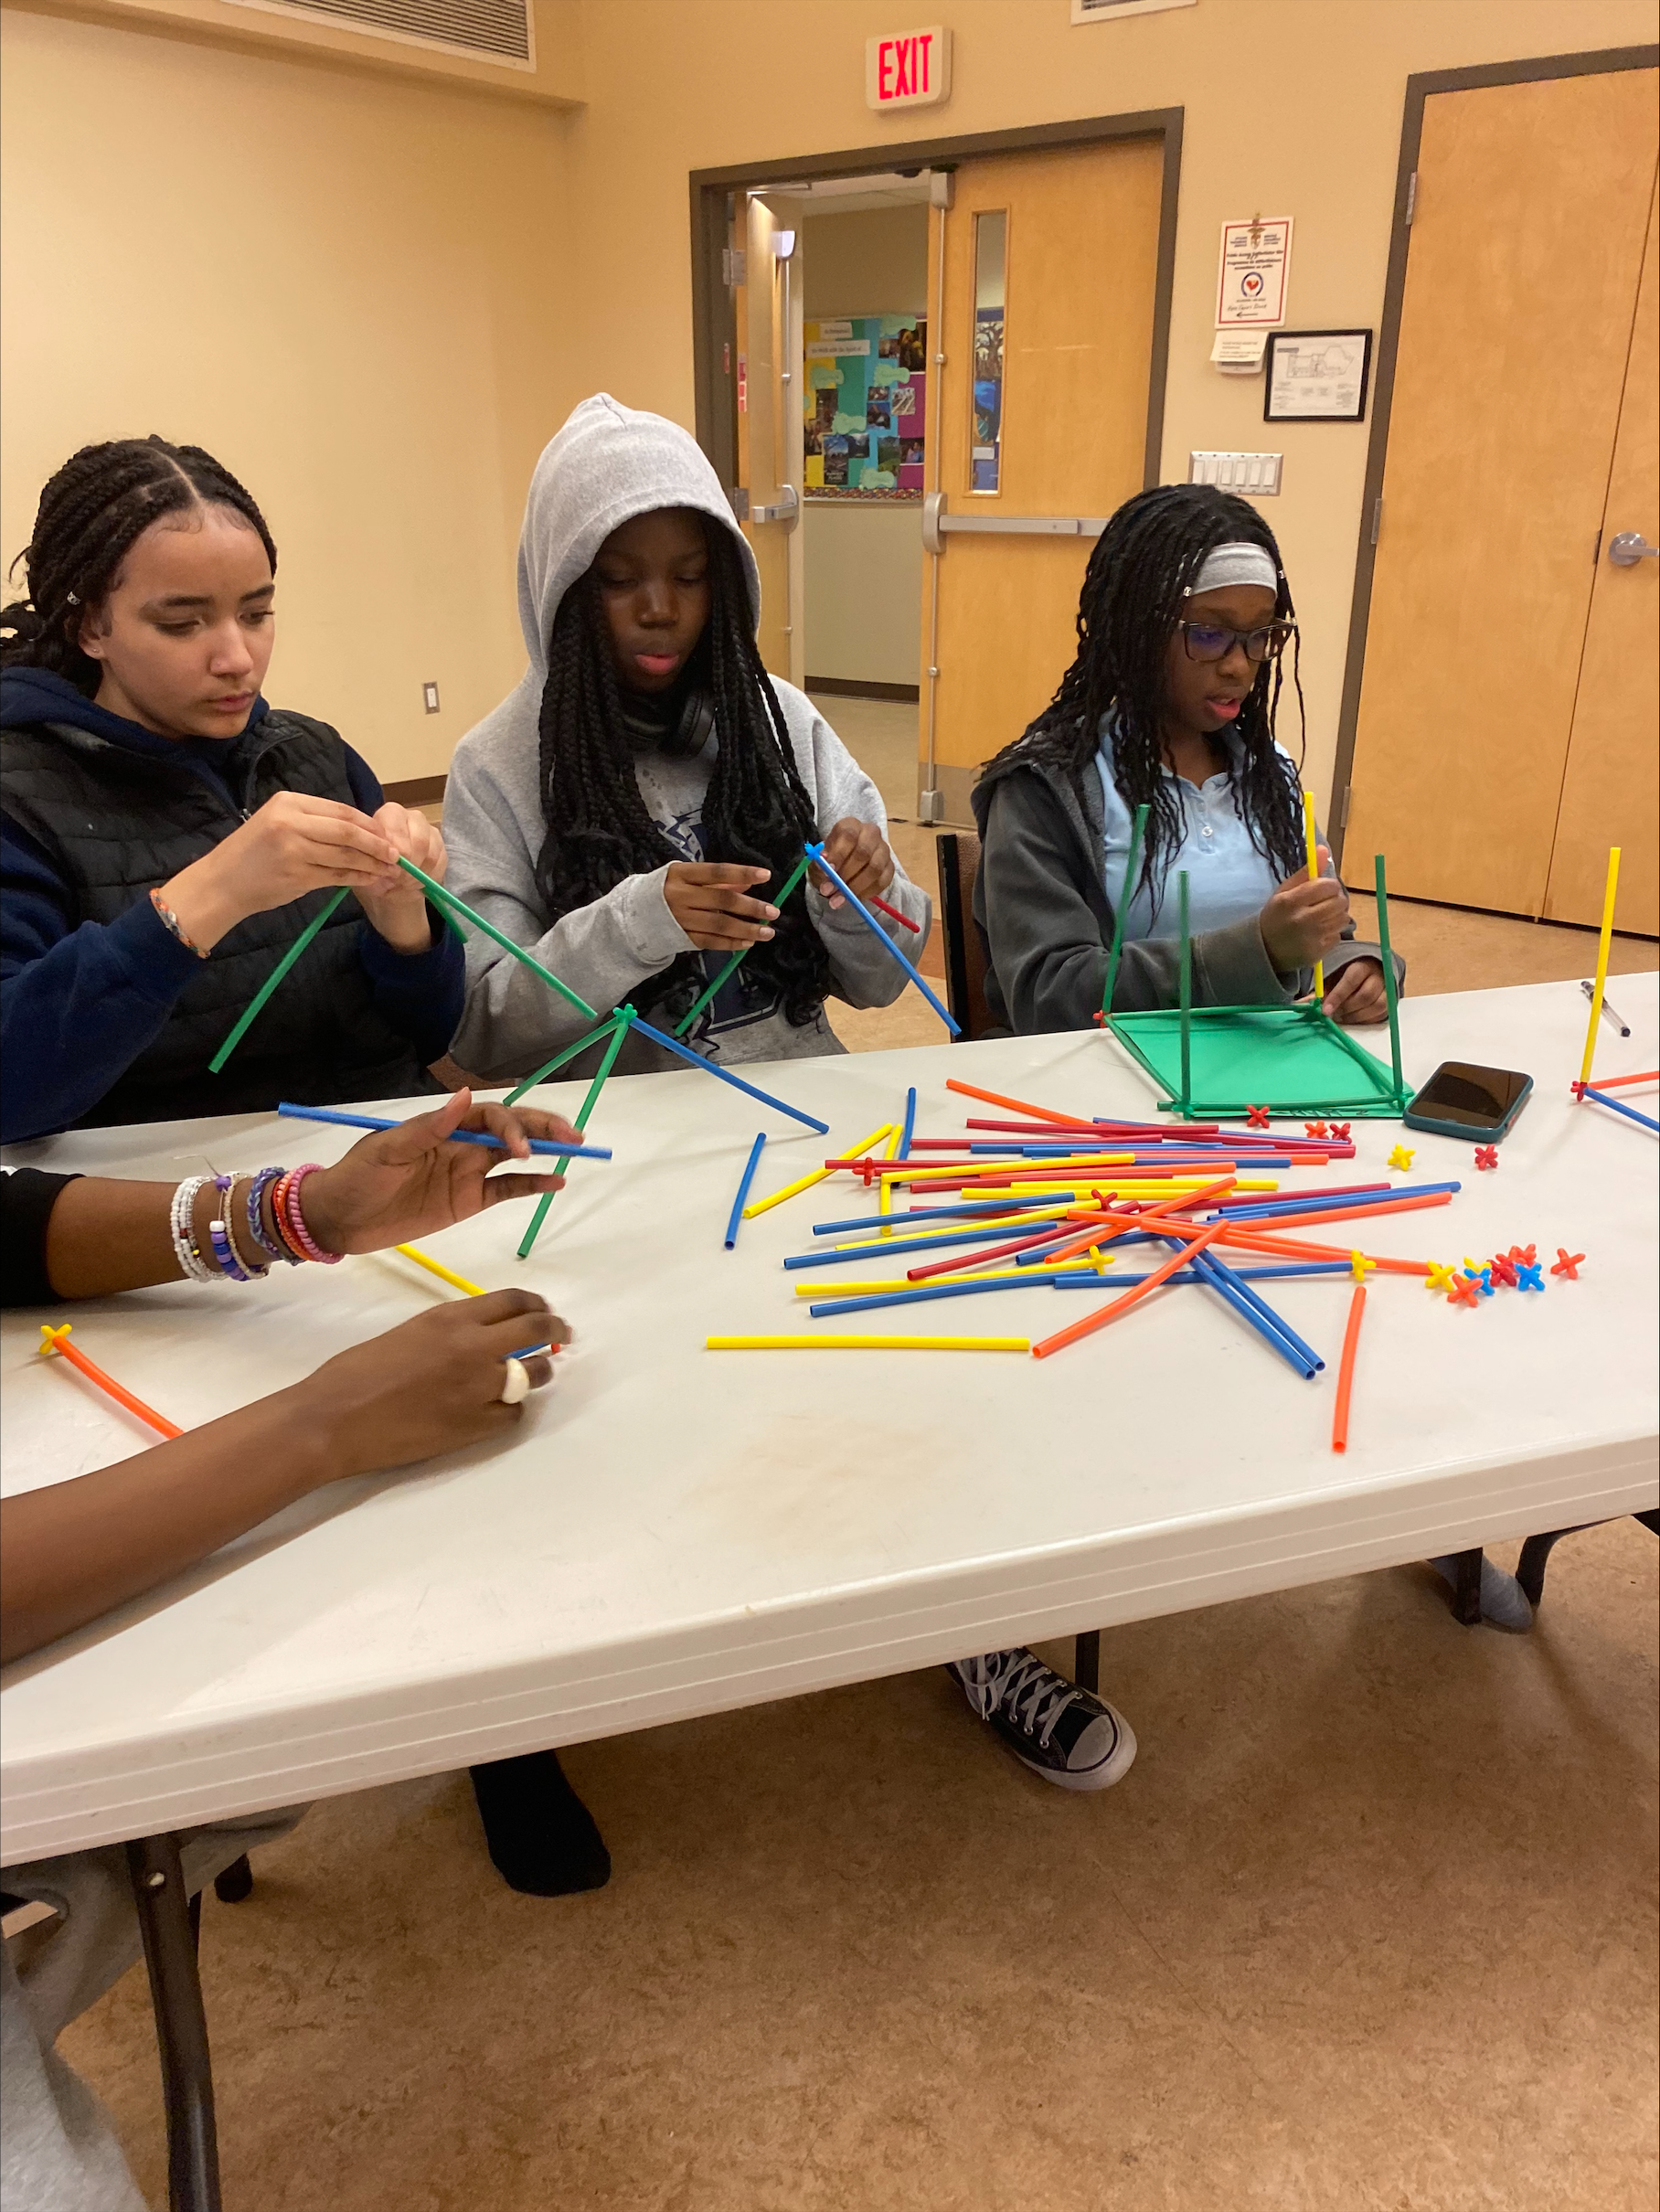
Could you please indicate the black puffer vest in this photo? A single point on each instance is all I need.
(117, 824)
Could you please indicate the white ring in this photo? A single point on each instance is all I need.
(515, 1383)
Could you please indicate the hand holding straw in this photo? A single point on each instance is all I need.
(816, 853)
(456, 1137)
(1313, 876)
(730, 967)
(447, 902)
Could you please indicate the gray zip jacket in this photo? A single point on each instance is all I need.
(608, 465)
(1043, 913)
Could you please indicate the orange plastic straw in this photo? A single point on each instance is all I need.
(1345, 1370)
(1103, 1314)
(996, 1097)
(1352, 1213)
(1286, 1248)
(55, 1340)
(1613, 1082)
(1115, 1225)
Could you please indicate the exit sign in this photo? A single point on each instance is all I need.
(909, 69)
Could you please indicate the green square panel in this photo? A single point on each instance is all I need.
(1292, 1060)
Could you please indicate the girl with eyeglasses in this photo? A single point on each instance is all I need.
(1182, 627)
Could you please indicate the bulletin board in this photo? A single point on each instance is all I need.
(865, 407)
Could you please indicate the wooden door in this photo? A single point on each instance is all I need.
(1526, 245)
(1080, 276)
(1610, 794)
(768, 314)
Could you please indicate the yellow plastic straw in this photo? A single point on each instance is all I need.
(1314, 876)
(867, 1344)
(791, 1190)
(444, 1274)
(1608, 930)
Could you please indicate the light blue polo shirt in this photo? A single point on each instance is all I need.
(1227, 878)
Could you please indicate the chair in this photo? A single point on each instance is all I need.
(957, 853)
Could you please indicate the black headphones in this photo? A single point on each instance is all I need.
(690, 733)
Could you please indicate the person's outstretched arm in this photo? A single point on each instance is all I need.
(74, 1550)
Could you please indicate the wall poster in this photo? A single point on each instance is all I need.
(865, 407)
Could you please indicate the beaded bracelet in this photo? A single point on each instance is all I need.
(223, 1243)
(291, 1250)
(257, 1189)
(173, 926)
(182, 1221)
(293, 1221)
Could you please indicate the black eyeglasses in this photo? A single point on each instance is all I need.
(1210, 642)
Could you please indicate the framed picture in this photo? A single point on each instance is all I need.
(1316, 376)
(1107, 11)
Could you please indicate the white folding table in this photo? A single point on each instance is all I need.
(676, 1531)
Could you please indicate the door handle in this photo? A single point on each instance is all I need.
(1628, 548)
(938, 522)
(783, 508)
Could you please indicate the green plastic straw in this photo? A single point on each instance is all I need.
(730, 967)
(1136, 828)
(1390, 998)
(257, 1003)
(447, 901)
(558, 1060)
(619, 1031)
(1187, 987)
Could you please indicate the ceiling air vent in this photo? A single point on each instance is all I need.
(483, 30)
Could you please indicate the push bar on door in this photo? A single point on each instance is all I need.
(937, 522)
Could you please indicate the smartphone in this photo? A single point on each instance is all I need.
(1463, 1100)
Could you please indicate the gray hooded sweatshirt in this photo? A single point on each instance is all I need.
(609, 463)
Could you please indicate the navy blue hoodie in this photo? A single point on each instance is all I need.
(78, 1003)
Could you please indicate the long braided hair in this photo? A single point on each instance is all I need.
(756, 811)
(1144, 563)
(100, 501)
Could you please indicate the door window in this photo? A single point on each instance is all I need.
(990, 256)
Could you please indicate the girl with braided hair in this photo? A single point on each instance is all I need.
(164, 834)
(1170, 704)
(1184, 618)
(622, 812)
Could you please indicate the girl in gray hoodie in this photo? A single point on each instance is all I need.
(622, 812)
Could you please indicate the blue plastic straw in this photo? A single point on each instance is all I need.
(1311, 1202)
(816, 853)
(1064, 1280)
(456, 1137)
(741, 1200)
(1619, 1106)
(672, 1043)
(909, 1127)
(1235, 1296)
(1265, 1313)
(876, 1249)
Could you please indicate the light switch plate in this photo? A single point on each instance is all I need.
(429, 693)
(1247, 474)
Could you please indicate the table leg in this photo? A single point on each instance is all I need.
(181, 2027)
(1085, 1660)
(1467, 1595)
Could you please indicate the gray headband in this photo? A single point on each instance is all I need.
(1239, 563)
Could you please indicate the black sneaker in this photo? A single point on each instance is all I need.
(1072, 1738)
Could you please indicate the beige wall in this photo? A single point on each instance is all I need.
(871, 262)
(1292, 107)
(353, 290)
(377, 299)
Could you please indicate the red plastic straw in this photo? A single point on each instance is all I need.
(1103, 1314)
(1345, 1370)
(57, 1341)
(893, 914)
